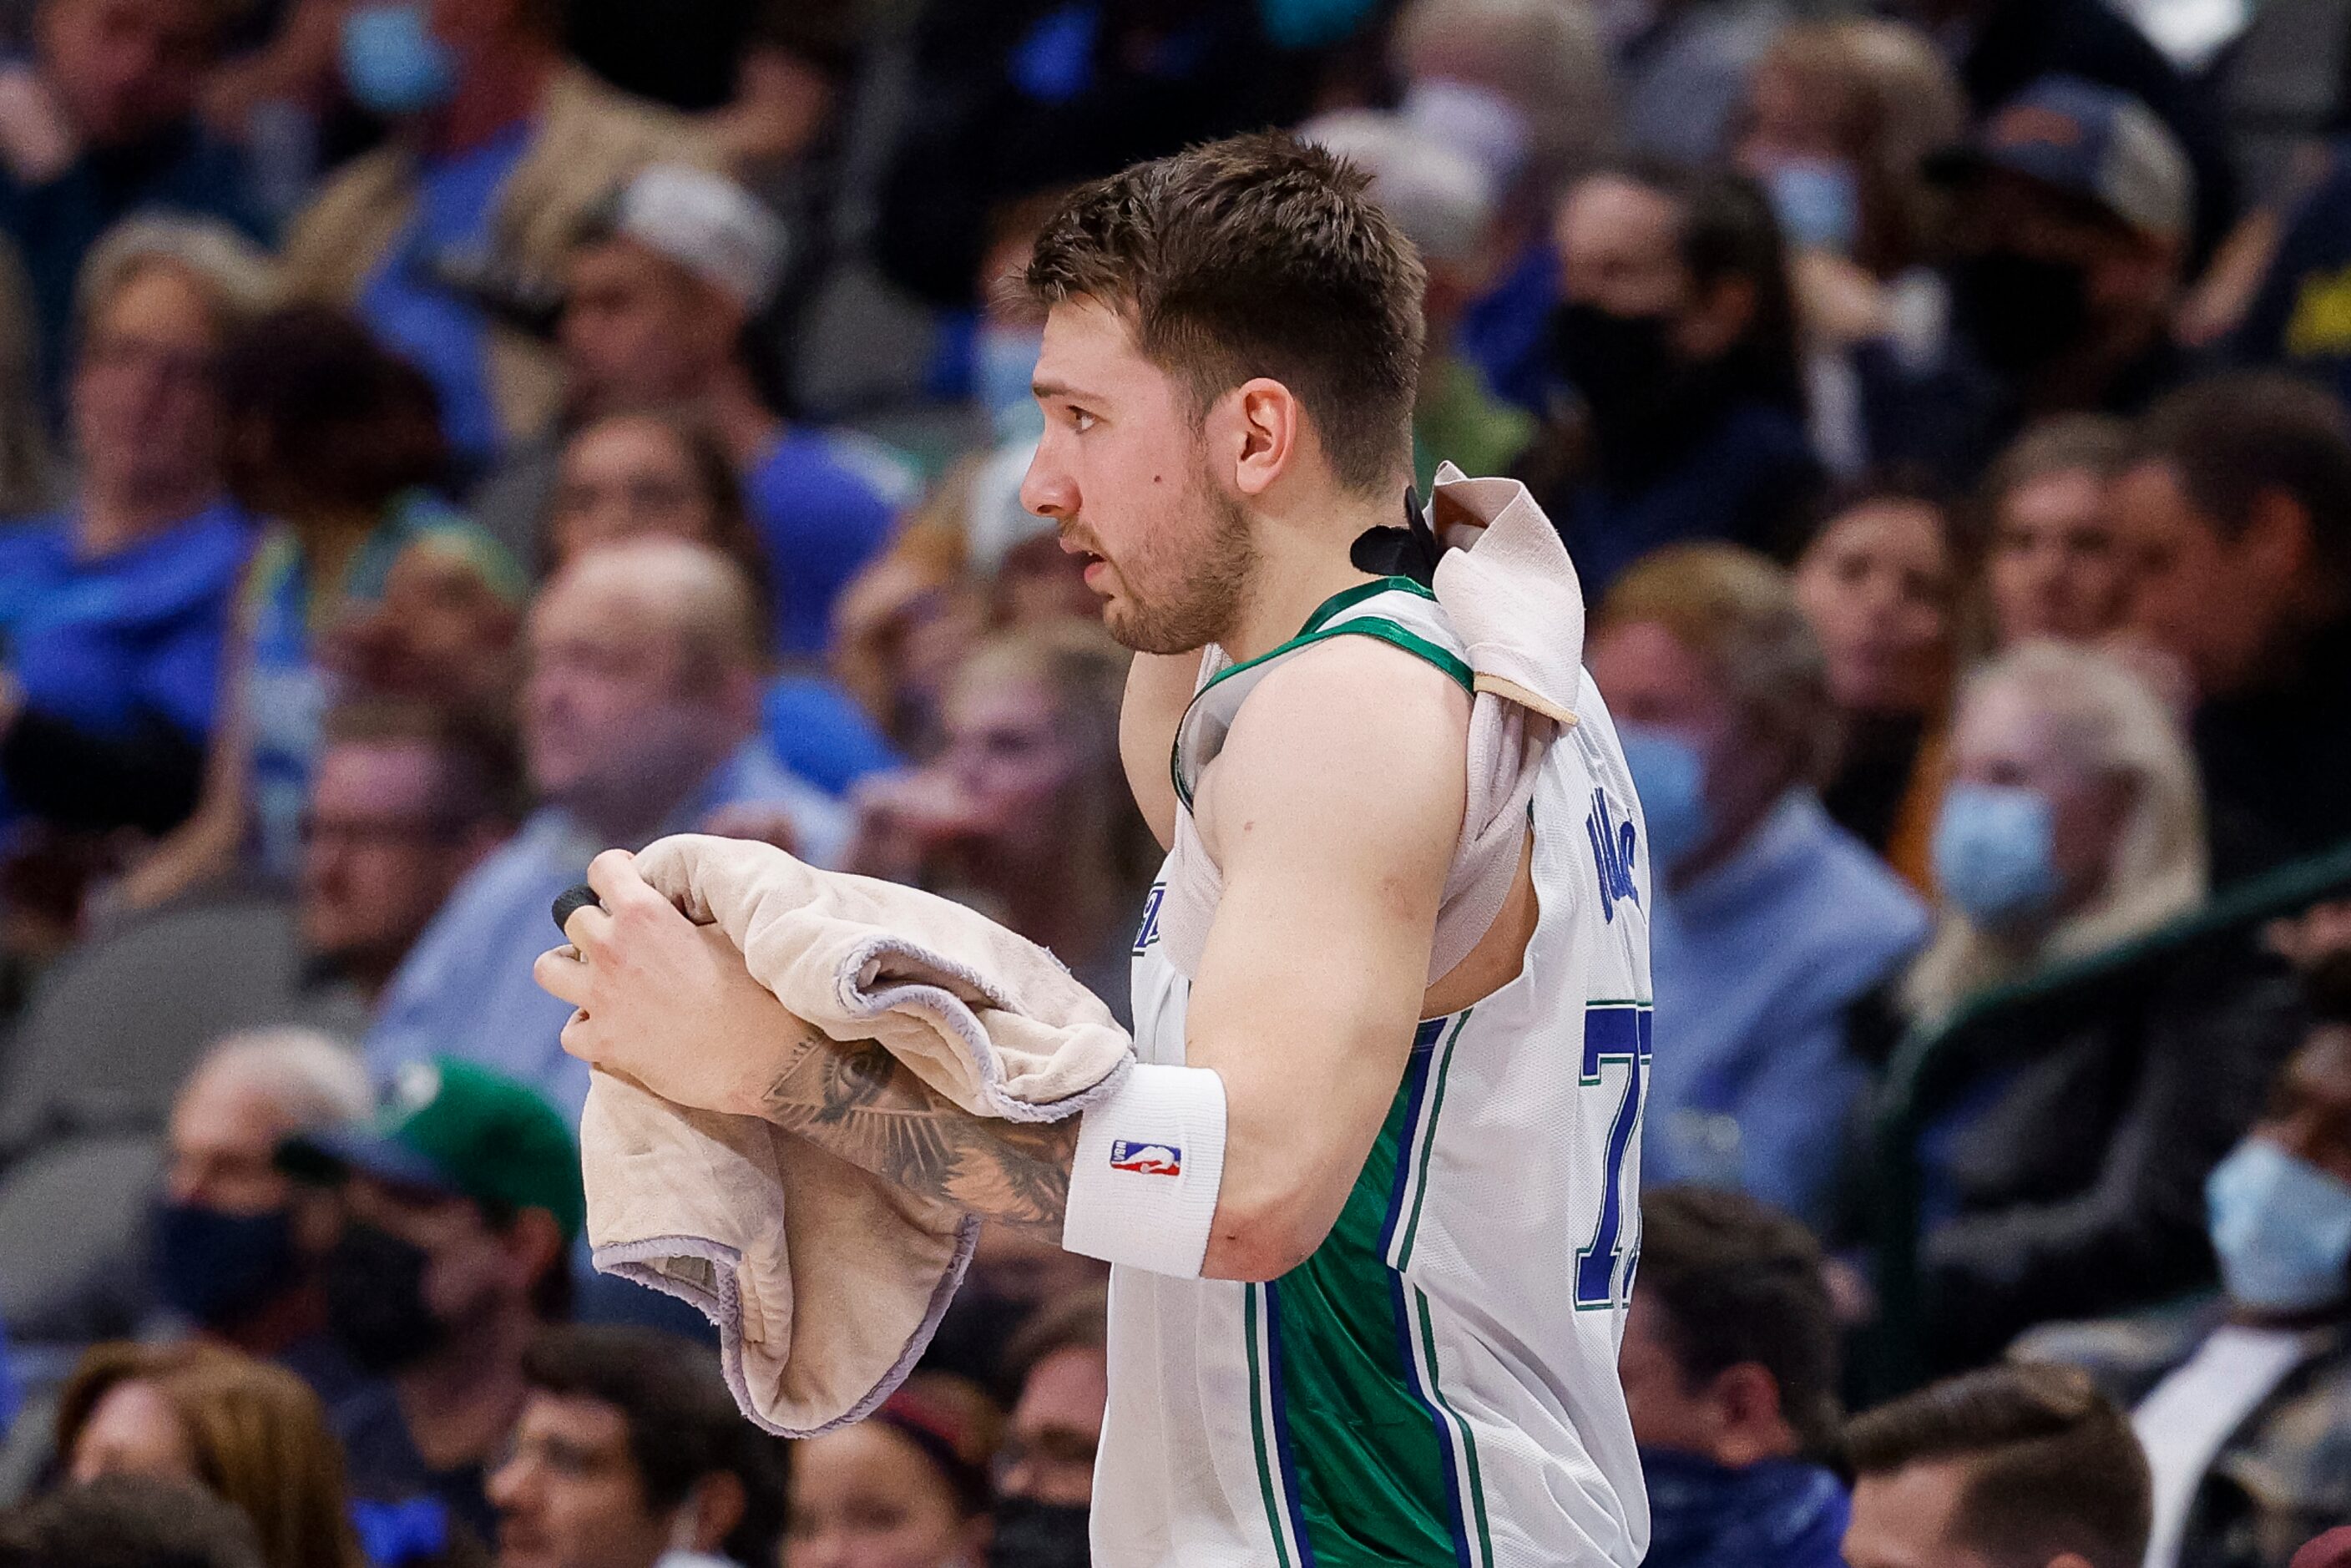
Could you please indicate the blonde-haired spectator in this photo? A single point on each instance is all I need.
(1770, 920)
(2065, 1170)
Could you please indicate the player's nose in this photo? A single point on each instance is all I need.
(1047, 488)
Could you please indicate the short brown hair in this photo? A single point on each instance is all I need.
(258, 1434)
(1739, 1282)
(2052, 1464)
(2097, 443)
(2232, 439)
(1736, 610)
(1259, 255)
(1079, 1322)
(127, 1522)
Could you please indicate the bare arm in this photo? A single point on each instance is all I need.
(1332, 818)
(1158, 689)
(670, 1005)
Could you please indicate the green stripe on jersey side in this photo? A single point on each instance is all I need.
(1347, 599)
(1251, 1306)
(1373, 1472)
(1468, 1438)
(1428, 1139)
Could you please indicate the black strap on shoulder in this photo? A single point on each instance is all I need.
(1410, 551)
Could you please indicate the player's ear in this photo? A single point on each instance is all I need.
(1268, 427)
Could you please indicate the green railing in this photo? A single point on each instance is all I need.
(1921, 1076)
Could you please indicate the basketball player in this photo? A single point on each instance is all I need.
(1371, 1233)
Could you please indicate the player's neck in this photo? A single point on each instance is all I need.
(1302, 558)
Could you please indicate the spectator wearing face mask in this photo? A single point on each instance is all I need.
(2236, 508)
(460, 1201)
(2027, 1466)
(250, 1433)
(2066, 1175)
(1880, 585)
(235, 1249)
(1045, 1472)
(101, 123)
(450, 240)
(1839, 119)
(1770, 920)
(630, 1453)
(1729, 1365)
(1676, 334)
(1021, 814)
(2071, 218)
(2056, 565)
(666, 476)
(640, 717)
(907, 1486)
(2242, 1400)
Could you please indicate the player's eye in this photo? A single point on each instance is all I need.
(1081, 421)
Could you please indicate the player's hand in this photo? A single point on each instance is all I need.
(665, 1001)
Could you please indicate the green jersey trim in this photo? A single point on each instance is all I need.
(1348, 597)
(1355, 1455)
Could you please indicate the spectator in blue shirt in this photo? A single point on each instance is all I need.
(101, 123)
(115, 609)
(631, 476)
(1730, 1366)
(660, 297)
(1770, 920)
(640, 717)
(363, 582)
(1676, 331)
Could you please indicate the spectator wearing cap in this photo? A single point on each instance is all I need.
(2243, 1400)
(1730, 1366)
(2072, 221)
(2023, 1465)
(1771, 921)
(117, 609)
(450, 241)
(100, 123)
(2236, 508)
(640, 717)
(630, 1453)
(459, 1200)
(909, 1485)
(2001, 47)
(661, 291)
(666, 474)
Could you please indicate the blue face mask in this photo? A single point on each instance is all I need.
(1995, 853)
(1003, 368)
(1817, 202)
(391, 62)
(2282, 1228)
(1669, 776)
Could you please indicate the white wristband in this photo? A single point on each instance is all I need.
(1143, 1186)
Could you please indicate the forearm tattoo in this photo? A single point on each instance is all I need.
(855, 1100)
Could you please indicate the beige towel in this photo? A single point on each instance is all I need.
(826, 1282)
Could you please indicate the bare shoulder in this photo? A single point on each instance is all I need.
(1351, 739)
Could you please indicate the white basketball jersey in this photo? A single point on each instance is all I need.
(1437, 1383)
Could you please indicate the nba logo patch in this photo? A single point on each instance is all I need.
(1147, 1159)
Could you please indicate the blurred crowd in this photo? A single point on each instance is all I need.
(442, 439)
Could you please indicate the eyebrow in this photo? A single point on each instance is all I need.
(1063, 390)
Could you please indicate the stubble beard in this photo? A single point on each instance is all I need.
(1208, 596)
